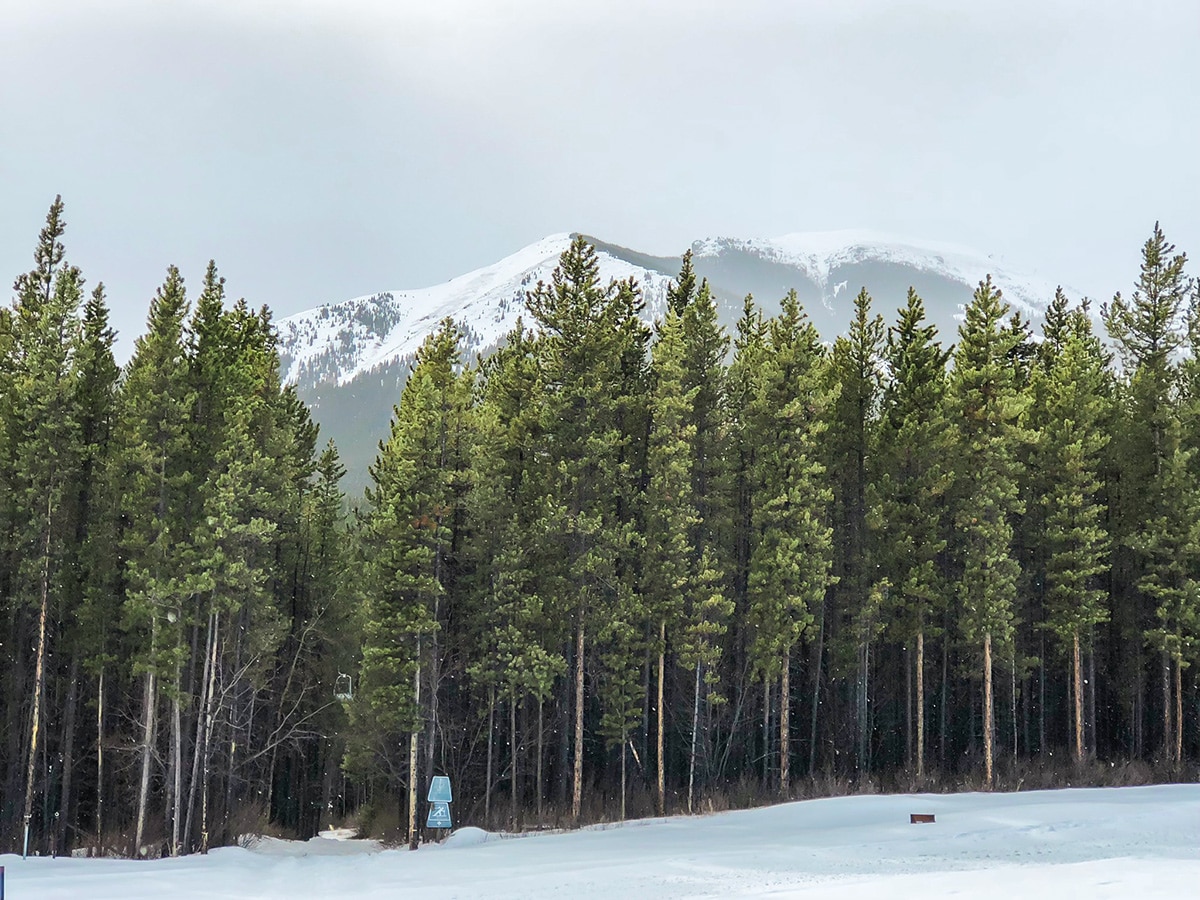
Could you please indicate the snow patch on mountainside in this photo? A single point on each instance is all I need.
(820, 254)
(340, 341)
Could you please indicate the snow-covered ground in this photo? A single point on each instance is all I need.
(1095, 843)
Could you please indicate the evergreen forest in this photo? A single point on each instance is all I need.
(611, 570)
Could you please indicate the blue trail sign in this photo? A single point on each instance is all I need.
(439, 815)
(439, 790)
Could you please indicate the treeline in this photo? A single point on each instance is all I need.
(616, 564)
(171, 575)
(609, 570)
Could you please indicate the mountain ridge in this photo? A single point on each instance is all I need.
(344, 340)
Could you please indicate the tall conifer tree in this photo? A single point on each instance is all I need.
(855, 368)
(790, 553)
(1148, 329)
(914, 476)
(1071, 397)
(987, 405)
(415, 496)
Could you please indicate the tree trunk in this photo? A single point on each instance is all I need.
(176, 765)
(198, 742)
(909, 715)
(1168, 737)
(68, 755)
(692, 752)
(1178, 711)
(562, 712)
(942, 710)
(100, 765)
(766, 757)
(209, 719)
(766, 733)
(1012, 695)
(860, 716)
(540, 752)
(816, 697)
(1137, 709)
(412, 758)
(1090, 694)
(662, 779)
(624, 741)
(1077, 686)
(921, 703)
(1042, 695)
(785, 697)
(149, 703)
(39, 677)
(512, 775)
(987, 709)
(487, 793)
(577, 772)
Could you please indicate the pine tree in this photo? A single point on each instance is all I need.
(914, 476)
(591, 352)
(518, 636)
(242, 510)
(987, 405)
(325, 600)
(670, 512)
(710, 603)
(1170, 545)
(743, 383)
(855, 367)
(1071, 409)
(790, 553)
(152, 478)
(416, 493)
(42, 438)
(1148, 330)
(96, 377)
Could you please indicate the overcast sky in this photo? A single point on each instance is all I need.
(323, 149)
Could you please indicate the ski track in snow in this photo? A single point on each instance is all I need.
(1094, 843)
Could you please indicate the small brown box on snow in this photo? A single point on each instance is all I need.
(920, 818)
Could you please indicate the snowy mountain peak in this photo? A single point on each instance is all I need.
(339, 342)
(344, 340)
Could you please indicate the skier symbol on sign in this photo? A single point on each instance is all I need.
(439, 815)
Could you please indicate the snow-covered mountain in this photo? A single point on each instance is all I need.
(339, 342)
(349, 358)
